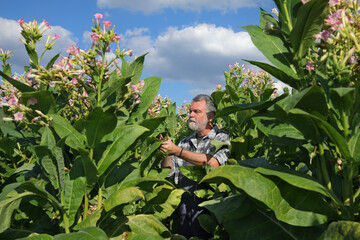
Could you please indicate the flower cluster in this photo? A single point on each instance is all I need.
(72, 79)
(158, 104)
(241, 78)
(337, 50)
(136, 91)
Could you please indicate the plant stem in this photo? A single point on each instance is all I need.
(324, 167)
(345, 126)
(99, 199)
(65, 217)
(287, 17)
(101, 79)
(86, 207)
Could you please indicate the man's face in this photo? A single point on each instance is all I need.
(198, 119)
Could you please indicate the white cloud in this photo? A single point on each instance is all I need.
(197, 55)
(10, 40)
(150, 6)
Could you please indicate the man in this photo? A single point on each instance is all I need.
(195, 150)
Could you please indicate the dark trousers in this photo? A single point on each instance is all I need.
(189, 211)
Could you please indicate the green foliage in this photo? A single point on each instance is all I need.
(78, 146)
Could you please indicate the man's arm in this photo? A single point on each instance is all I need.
(199, 159)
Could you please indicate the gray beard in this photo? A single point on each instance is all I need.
(196, 126)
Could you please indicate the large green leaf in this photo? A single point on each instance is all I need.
(22, 87)
(90, 221)
(305, 101)
(342, 98)
(170, 205)
(135, 69)
(43, 236)
(75, 189)
(150, 90)
(125, 137)
(299, 180)
(148, 236)
(280, 132)
(229, 208)
(354, 146)
(49, 164)
(7, 145)
(6, 213)
(30, 190)
(195, 173)
(52, 61)
(116, 85)
(262, 225)
(88, 233)
(142, 223)
(47, 138)
(343, 230)
(309, 22)
(328, 129)
(31, 50)
(45, 101)
(64, 129)
(123, 196)
(273, 48)
(98, 124)
(150, 158)
(90, 170)
(290, 204)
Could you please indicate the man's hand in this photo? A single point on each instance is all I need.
(170, 147)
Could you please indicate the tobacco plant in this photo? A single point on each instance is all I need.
(78, 147)
(311, 190)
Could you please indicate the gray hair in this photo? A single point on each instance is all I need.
(210, 105)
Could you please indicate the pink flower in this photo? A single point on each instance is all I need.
(305, 1)
(18, 116)
(95, 36)
(84, 94)
(107, 49)
(56, 36)
(334, 20)
(218, 87)
(98, 16)
(117, 39)
(32, 101)
(71, 102)
(73, 50)
(13, 101)
(142, 83)
(138, 101)
(74, 81)
(107, 24)
(21, 22)
(135, 88)
(46, 23)
(323, 35)
(52, 84)
(130, 52)
(310, 66)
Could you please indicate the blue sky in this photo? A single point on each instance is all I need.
(189, 42)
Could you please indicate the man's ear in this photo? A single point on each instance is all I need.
(211, 116)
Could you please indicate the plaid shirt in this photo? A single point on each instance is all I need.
(204, 146)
